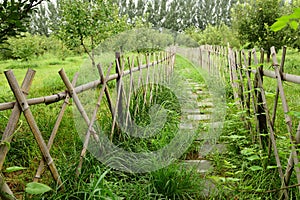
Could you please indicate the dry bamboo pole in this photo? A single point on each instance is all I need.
(281, 69)
(261, 116)
(107, 94)
(290, 165)
(131, 87)
(54, 131)
(288, 119)
(147, 79)
(250, 89)
(76, 100)
(14, 118)
(152, 82)
(140, 83)
(21, 99)
(79, 89)
(92, 121)
(119, 93)
(272, 134)
(235, 85)
(6, 193)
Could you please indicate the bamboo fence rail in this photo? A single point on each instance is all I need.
(162, 65)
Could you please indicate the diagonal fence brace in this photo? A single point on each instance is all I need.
(54, 131)
(21, 99)
(11, 127)
(92, 121)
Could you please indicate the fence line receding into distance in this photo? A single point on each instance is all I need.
(161, 63)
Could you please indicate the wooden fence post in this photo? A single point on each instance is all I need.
(261, 116)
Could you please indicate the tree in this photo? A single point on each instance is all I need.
(289, 24)
(87, 23)
(14, 17)
(45, 20)
(254, 25)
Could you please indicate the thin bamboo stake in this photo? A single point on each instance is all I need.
(261, 116)
(6, 193)
(14, 118)
(34, 128)
(288, 119)
(277, 89)
(54, 131)
(107, 94)
(272, 134)
(119, 92)
(290, 165)
(250, 93)
(131, 65)
(147, 79)
(92, 121)
(76, 100)
(140, 82)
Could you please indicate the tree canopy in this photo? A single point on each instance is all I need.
(14, 17)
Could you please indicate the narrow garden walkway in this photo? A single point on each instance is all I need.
(200, 93)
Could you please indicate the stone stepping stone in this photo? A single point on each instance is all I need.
(212, 148)
(202, 93)
(213, 125)
(208, 189)
(186, 126)
(192, 111)
(199, 117)
(205, 103)
(202, 166)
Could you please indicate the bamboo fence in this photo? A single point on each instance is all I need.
(162, 65)
(250, 96)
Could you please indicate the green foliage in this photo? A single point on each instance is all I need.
(14, 16)
(138, 40)
(253, 19)
(177, 15)
(289, 25)
(292, 20)
(37, 188)
(215, 35)
(25, 47)
(13, 169)
(88, 23)
(29, 46)
(175, 182)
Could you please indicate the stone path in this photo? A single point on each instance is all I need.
(201, 95)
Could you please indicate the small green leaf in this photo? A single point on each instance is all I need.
(277, 26)
(247, 151)
(254, 157)
(37, 188)
(271, 167)
(14, 168)
(294, 25)
(232, 179)
(255, 168)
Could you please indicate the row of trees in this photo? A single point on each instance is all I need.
(87, 23)
(178, 14)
